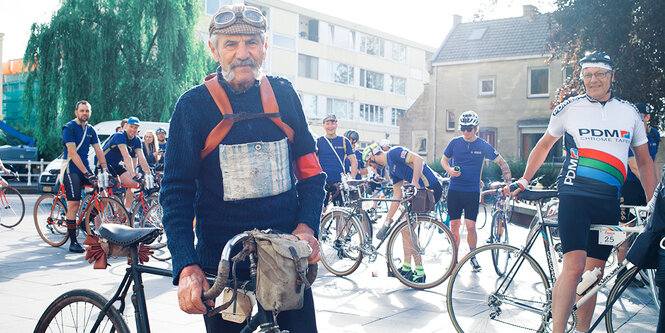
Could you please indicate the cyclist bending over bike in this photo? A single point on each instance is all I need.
(404, 167)
(120, 150)
(599, 130)
(467, 153)
(78, 136)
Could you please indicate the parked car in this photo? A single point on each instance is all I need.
(48, 182)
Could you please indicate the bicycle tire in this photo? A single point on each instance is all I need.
(475, 306)
(436, 251)
(499, 235)
(480, 226)
(631, 302)
(76, 311)
(140, 208)
(153, 219)
(106, 210)
(12, 208)
(341, 255)
(441, 212)
(50, 214)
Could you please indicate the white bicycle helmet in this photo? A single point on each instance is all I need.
(468, 118)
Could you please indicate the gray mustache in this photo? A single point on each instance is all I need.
(245, 62)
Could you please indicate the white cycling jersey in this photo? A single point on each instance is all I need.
(597, 139)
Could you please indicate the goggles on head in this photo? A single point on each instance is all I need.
(249, 15)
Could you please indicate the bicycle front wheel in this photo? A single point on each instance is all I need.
(12, 207)
(105, 210)
(76, 311)
(499, 235)
(424, 242)
(632, 302)
(480, 300)
(50, 215)
(340, 239)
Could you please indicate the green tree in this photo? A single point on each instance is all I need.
(631, 32)
(127, 57)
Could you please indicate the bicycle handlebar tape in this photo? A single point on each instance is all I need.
(220, 281)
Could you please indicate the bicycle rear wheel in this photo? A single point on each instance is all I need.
(12, 207)
(340, 238)
(633, 302)
(76, 311)
(105, 210)
(499, 235)
(140, 208)
(484, 301)
(153, 219)
(50, 219)
(425, 242)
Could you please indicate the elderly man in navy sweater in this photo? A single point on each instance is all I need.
(263, 174)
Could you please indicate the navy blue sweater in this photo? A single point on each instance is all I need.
(192, 187)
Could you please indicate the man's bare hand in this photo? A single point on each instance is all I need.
(304, 232)
(191, 285)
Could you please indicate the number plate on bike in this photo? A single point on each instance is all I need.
(610, 237)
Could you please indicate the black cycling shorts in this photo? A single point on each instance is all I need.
(117, 170)
(632, 193)
(333, 194)
(73, 183)
(576, 214)
(459, 201)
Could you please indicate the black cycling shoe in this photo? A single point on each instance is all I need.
(418, 278)
(76, 248)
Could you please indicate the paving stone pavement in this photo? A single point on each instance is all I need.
(33, 274)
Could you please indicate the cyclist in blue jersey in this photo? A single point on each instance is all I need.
(599, 130)
(404, 167)
(467, 154)
(353, 137)
(78, 136)
(161, 139)
(121, 150)
(332, 151)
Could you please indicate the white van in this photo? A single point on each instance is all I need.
(48, 181)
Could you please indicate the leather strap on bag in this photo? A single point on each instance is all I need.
(222, 100)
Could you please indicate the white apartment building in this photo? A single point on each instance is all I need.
(367, 78)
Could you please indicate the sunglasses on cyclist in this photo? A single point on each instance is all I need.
(467, 128)
(250, 16)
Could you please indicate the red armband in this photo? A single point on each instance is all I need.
(307, 166)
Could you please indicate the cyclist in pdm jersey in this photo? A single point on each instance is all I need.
(598, 131)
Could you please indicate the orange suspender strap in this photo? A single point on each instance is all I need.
(219, 132)
(222, 100)
(270, 106)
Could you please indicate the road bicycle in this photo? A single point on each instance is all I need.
(521, 298)
(502, 210)
(84, 310)
(153, 219)
(50, 213)
(12, 206)
(346, 237)
(441, 207)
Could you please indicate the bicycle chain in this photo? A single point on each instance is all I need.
(519, 326)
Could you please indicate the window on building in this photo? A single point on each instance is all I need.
(343, 37)
(450, 120)
(486, 86)
(308, 66)
(419, 142)
(397, 85)
(372, 80)
(488, 134)
(341, 108)
(211, 6)
(371, 113)
(308, 28)
(342, 73)
(310, 105)
(538, 82)
(398, 52)
(396, 114)
(477, 34)
(372, 45)
(282, 41)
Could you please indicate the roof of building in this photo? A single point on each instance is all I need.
(509, 37)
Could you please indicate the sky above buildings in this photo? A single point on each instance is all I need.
(423, 21)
